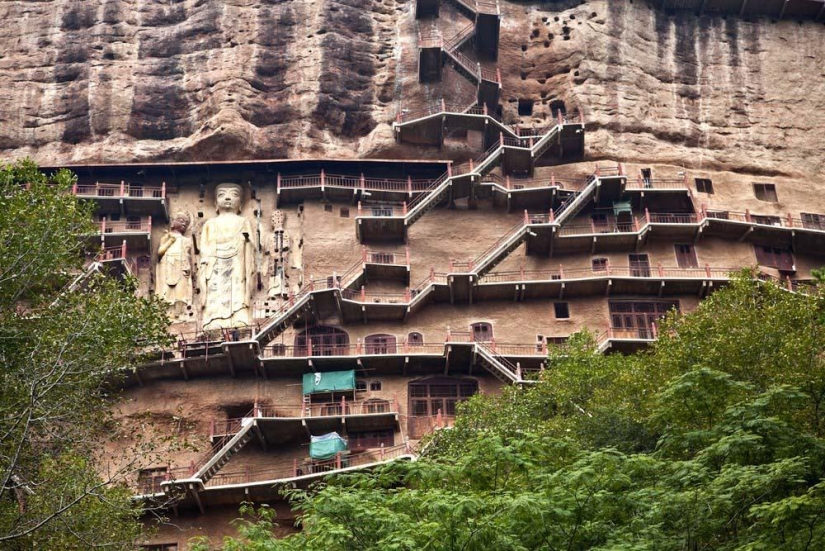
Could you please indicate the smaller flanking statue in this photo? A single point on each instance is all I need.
(174, 268)
(278, 248)
(227, 262)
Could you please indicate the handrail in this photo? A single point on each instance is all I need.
(123, 189)
(376, 455)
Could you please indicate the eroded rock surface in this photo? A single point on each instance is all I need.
(120, 81)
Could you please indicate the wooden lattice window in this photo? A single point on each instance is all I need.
(380, 344)
(813, 221)
(149, 480)
(482, 332)
(322, 341)
(774, 257)
(686, 256)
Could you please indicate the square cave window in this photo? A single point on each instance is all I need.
(562, 310)
(525, 107)
(375, 386)
(327, 208)
(344, 212)
(765, 192)
(704, 185)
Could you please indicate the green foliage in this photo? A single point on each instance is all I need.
(710, 440)
(60, 350)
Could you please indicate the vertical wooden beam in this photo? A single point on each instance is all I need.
(744, 5)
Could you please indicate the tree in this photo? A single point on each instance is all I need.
(62, 348)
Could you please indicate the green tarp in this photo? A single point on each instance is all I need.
(620, 207)
(327, 382)
(326, 446)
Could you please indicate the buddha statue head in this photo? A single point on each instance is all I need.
(229, 197)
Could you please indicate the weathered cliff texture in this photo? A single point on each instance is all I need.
(119, 80)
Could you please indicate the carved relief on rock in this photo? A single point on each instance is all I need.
(227, 262)
(278, 249)
(174, 267)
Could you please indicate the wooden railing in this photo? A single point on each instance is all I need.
(144, 225)
(306, 468)
(122, 189)
(400, 185)
(389, 258)
(568, 274)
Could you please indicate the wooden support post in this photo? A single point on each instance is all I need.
(407, 255)
(123, 250)
(122, 188)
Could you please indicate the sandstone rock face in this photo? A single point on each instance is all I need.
(121, 81)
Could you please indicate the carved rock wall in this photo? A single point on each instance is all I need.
(119, 81)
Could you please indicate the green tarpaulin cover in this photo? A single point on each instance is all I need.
(326, 446)
(327, 382)
(621, 207)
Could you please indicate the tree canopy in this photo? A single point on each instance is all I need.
(61, 347)
(712, 439)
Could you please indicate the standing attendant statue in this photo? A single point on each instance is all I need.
(174, 268)
(227, 262)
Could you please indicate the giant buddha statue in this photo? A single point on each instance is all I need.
(227, 262)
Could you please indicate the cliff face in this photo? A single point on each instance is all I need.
(120, 81)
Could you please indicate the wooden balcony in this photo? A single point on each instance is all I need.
(137, 233)
(387, 265)
(264, 484)
(126, 199)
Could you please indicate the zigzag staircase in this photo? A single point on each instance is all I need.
(284, 318)
(465, 7)
(498, 366)
(225, 453)
(575, 203)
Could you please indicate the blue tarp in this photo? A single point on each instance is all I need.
(326, 446)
